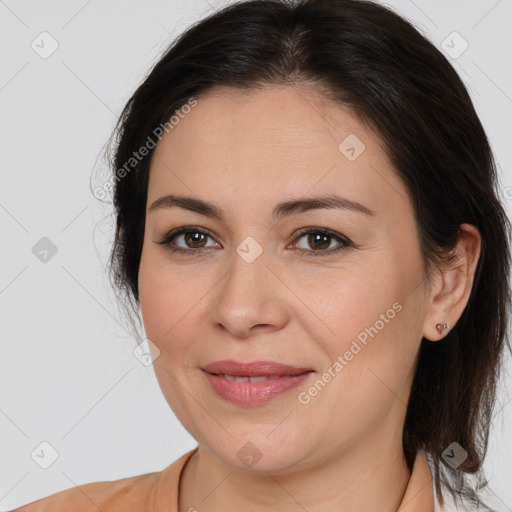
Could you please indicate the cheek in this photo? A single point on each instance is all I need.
(156, 305)
(173, 306)
(347, 302)
(370, 331)
(167, 308)
(163, 294)
(163, 299)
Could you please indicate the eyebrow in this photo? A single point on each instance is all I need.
(281, 210)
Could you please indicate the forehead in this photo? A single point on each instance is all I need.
(273, 141)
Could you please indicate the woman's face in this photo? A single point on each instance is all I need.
(348, 304)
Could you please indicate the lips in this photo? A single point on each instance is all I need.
(253, 369)
(254, 383)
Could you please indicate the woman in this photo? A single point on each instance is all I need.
(307, 217)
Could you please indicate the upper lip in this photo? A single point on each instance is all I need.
(252, 368)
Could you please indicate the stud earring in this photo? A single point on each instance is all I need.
(441, 327)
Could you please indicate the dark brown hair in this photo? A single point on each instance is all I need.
(363, 55)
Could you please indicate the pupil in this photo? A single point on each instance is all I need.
(189, 237)
(314, 239)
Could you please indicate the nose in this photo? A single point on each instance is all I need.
(249, 298)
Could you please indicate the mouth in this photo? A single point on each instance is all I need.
(259, 378)
(253, 368)
(255, 382)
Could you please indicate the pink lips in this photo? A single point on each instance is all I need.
(255, 382)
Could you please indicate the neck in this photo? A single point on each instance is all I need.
(372, 475)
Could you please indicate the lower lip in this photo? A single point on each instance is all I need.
(254, 393)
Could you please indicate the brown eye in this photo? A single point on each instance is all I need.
(194, 239)
(319, 241)
(187, 239)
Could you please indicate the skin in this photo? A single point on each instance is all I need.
(245, 152)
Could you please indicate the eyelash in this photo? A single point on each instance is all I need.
(166, 240)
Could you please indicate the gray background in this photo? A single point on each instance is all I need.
(69, 376)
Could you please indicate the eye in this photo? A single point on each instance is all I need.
(192, 239)
(320, 240)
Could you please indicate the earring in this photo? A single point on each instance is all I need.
(441, 327)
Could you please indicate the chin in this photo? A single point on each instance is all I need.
(261, 453)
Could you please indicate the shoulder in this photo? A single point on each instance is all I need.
(134, 491)
(140, 493)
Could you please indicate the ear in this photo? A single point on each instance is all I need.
(451, 286)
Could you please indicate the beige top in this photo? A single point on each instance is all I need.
(158, 492)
